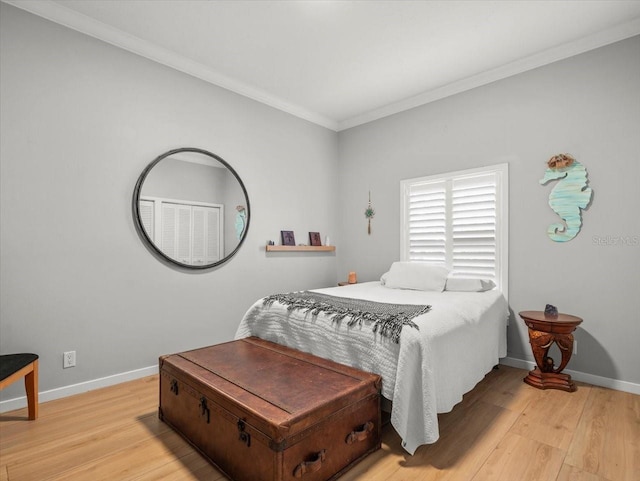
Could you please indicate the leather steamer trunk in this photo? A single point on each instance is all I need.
(260, 411)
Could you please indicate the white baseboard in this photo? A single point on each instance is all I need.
(607, 382)
(61, 392)
(21, 402)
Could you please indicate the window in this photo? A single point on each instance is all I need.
(459, 220)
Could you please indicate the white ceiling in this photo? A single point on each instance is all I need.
(343, 63)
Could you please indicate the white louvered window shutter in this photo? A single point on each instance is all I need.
(190, 232)
(214, 235)
(206, 235)
(169, 226)
(183, 232)
(176, 231)
(147, 208)
(427, 222)
(198, 242)
(473, 226)
(459, 220)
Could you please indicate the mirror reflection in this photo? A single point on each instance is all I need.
(192, 208)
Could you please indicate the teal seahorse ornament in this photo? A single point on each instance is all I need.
(241, 221)
(570, 195)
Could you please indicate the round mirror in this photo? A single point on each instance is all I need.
(191, 208)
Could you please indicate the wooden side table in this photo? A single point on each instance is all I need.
(543, 332)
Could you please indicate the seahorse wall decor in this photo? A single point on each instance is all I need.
(570, 195)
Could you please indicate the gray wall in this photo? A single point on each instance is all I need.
(589, 106)
(177, 179)
(80, 120)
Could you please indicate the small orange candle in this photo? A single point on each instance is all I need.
(352, 278)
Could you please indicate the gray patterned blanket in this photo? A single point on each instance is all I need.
(388, 319)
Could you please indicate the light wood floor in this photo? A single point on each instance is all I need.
(502, 430)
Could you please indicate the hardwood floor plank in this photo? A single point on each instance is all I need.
(506, 389)
(54, 433)
(191, 467)
(552, 417)
(87, 401)
(465, 443)
(99, 407)
(571, 473)
(607, 439)
(85, 446)
(125, 464)
(502, 430)
(522, 459)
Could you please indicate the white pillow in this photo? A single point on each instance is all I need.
(419, 276)
(465, 284)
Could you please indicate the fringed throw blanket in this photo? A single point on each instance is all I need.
(388, 319)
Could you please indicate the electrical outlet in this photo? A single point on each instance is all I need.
(68, 359)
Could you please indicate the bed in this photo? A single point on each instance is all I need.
(455, 338)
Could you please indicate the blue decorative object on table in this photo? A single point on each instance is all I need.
(551, 311)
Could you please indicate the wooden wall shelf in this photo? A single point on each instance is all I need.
(300, 248)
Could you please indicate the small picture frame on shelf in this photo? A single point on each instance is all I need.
(288, 239)
(314, 239)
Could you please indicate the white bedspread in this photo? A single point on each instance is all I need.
(458, 342)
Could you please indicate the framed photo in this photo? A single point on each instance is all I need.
(314, 239)
(288, 238)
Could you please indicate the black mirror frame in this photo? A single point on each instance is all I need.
(145, 237)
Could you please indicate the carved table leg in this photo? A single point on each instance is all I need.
(546, 375)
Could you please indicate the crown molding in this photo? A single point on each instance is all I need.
(600, 39)
(76, 21)
(89, 26)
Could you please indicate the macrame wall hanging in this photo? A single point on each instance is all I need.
(569, 197)
(369, 213)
